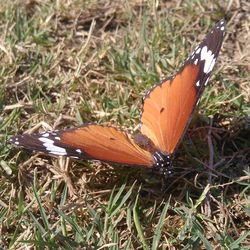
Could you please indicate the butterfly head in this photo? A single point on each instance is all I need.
(163, 163)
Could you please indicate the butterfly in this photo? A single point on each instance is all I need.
(166, 113)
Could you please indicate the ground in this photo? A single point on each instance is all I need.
(64, 63)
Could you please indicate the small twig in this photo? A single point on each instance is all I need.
(211, 152)
(242, 178)
(61, 170)
(37, 126)
(18, 105)
(57, 122)
(22, 168)
(210, 167)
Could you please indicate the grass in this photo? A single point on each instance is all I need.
(67, 62)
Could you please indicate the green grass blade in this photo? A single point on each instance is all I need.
(138, 225)
(158, 230)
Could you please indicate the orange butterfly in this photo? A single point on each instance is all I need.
(167, 110)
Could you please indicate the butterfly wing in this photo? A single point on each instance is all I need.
(168, 107)
(88, 142)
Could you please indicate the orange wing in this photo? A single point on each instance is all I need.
(164, 120)
(88, 142)
(168, 107)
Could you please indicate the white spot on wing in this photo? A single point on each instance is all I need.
(57, 153)
(222, 28)
(208, 57)
(198, 51)
(196, 61)
(206, 82)
(197, 84)
(212, 64)
(46, 140)
(57, 138)
(79, 151)
(55, 149)
(16, 142)
(51, 148)
(45, 135)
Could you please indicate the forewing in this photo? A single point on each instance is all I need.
(168, 107)
(88, 142)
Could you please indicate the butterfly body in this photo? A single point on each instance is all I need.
(163, 164)
(166, 114)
